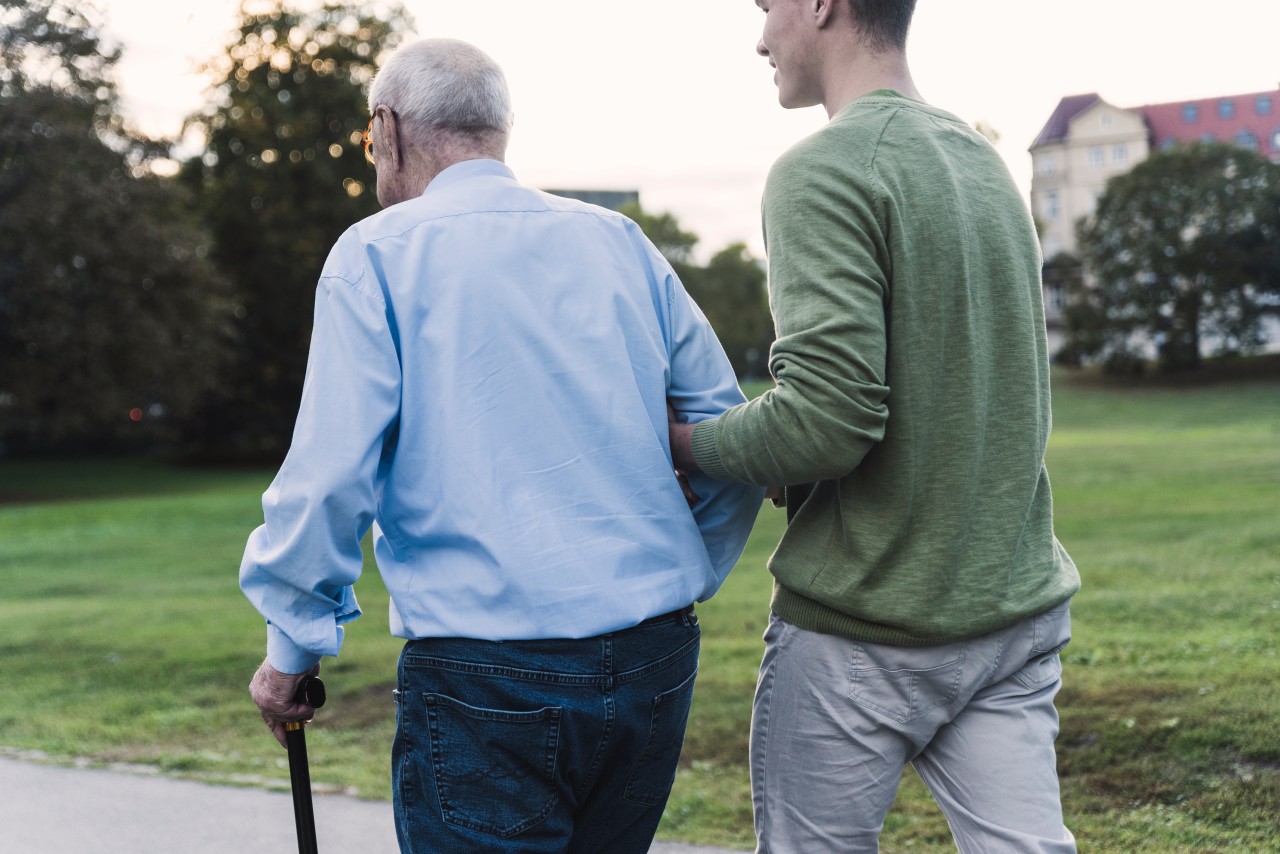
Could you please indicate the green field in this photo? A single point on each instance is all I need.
(124, 638)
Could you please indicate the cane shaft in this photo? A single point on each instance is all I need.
(300, 778)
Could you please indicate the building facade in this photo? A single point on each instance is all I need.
(1088, 140)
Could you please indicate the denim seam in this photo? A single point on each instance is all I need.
(543, 676)
(659, 664)
(589, 779)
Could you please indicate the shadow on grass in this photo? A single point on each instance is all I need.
(1223, 369)
(42, 481)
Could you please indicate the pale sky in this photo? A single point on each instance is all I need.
(669, 97)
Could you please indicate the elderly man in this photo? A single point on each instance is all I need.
(487, 388)
(921, 596)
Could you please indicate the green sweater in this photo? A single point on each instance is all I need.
(911, 406)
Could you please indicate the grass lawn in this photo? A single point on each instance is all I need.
(124, 638)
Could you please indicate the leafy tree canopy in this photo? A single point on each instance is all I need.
(57, 45)
(664, 232)
(730, 289)
(1183, 254)
(110, 310)
(281, 177)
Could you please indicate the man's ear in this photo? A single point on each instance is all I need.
(390, 137)
(821, 11)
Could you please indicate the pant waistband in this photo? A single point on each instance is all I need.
(686, 614)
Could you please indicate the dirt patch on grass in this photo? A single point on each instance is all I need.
(1123, 746)
(364, 708)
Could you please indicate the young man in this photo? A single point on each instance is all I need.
(543, 576)
(921, 597)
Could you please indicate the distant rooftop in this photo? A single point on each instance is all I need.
(1068, 108)
(1251, 120)
(611, 199)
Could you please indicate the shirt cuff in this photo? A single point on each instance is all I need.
(286, 656)
(705, 452)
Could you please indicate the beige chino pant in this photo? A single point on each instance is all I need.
(836, 721)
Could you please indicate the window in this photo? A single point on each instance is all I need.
(1057, 298)
(1208, 137)
(1168, 143)
(1190, 113)
(1120, 155)
(1095, 157)
(1051, 209)
(1105, 120)
(1275, 141)
(1046, 164)
(1247, 139)
(1226, 109)
(1262, 106)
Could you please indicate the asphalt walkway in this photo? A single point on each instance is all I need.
(49, 809)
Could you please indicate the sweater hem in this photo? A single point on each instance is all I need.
(811, 615)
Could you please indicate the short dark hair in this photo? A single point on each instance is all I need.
(884, 23)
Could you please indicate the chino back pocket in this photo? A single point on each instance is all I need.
(651, 780)
(904, 694)
(494, 769)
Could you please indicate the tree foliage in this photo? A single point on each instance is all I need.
(730, 289)
(55, 45)
(281, 177)
(109, 308)
(1183, 254)
(731, 292)
(664, 232)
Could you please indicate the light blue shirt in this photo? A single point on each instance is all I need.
(487, 388)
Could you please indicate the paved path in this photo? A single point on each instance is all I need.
(47, 809)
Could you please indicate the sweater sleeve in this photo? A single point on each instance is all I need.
(829, 292)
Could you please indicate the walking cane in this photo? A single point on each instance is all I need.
(310, 692)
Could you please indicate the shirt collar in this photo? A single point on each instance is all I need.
(468, 169)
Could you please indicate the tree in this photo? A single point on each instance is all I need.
(281, 177)
(665, 233)
(109, 308)
(730, 290)
(1181, 253)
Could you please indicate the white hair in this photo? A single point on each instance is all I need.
(444, 85)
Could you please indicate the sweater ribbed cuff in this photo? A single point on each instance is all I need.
(705, 452)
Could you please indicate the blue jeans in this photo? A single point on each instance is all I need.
(541, 746)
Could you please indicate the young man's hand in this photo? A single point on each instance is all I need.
(681, 436)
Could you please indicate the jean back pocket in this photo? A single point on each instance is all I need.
(494, 769)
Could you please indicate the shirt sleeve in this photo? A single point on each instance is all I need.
(829, 290)
(702, 385)
(300, 565)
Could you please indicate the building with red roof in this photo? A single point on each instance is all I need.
(1087, 141)
(1250, 121)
